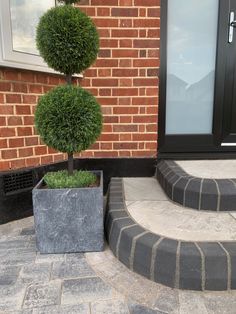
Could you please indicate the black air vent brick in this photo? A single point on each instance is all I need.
(15, 182)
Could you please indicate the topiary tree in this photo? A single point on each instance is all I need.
(68, 118)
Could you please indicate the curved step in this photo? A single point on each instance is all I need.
(174, 263)
(194, 192)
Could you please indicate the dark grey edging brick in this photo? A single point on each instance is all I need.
(174, 263)
(193, 192)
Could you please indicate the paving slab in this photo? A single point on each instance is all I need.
(72, 269)
(11, 297)
(191, 303)
(212, 169)
(168, 219)
(49, 258)
(35, 273)
(38, 295)
(9, 275)
(85, 290)
(137, 189)
(82, 308)
(109, 307)
(113, 289)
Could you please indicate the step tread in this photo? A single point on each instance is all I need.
(191, 265)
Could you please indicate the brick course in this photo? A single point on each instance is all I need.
(124, 79)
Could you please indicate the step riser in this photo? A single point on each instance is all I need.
(196, 193)
(177, 264)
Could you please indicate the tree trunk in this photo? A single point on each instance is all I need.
(70, 155)
(70, 164)
(69, 79)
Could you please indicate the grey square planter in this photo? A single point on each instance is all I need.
(69, 220)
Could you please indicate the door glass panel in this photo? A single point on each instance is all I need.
(25, 16)
(191, 58)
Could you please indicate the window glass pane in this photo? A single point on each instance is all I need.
(191, 57)
(25, 15)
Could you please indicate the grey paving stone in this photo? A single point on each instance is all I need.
(192, 193)
(32, 242)
(25, 311)
(165, 262)
(114, 233)
(216, 271)
(220, 303)
(169, 183)
(178, 195)
(190, 267)
(82, 308)
(13, 244)
(191, 303)
(49, 258)
(11, 297)
(116, 206)
(136, 308)
(85, 290)
(209, 198)
(167, 301)
(228, 194)
(143, 253)
(126, 241)
(8, 275)
(231, 249)
(74, 269)
(109, 307)
(70, 257)
(28, 231)
(42, 294)
(35, 273)
(22, 256)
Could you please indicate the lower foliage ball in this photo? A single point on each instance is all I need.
(68, 119)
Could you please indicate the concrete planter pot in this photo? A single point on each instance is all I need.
(69, 220)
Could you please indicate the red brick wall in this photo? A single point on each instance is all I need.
(124, 79)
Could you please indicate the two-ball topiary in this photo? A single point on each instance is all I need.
(67, 39)
(69, 119)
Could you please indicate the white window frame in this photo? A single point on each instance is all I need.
(10, 57)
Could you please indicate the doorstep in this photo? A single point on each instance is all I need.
(199, 184)
(170, 244)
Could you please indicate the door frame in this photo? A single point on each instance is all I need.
(203, 145)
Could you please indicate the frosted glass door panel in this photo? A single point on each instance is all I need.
(191, 58)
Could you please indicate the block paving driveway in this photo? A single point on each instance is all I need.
(91, 283)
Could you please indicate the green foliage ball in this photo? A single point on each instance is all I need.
(68, 119)
(67, 39)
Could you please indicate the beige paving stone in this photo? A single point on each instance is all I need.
(167, 300)
(215, 169)
(220, 303)
(174, 221)
(139, 189)
(191, 303)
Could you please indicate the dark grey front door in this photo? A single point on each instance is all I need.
(198, 76)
